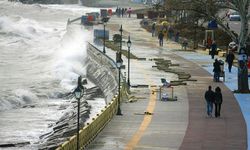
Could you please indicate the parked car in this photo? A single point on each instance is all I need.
(234, 16)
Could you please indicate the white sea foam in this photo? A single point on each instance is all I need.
(16, 25)
(71, 56)
(20, 98)
(40, 61)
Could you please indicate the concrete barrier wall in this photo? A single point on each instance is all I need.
(91, 130)
(102, 69)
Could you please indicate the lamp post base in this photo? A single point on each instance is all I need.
(119, 112)
(128, 83)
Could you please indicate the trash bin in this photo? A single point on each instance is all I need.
(90, 18)
(84, 20)
(104, 13)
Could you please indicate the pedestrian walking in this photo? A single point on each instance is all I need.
(119, 12)
(129, 12)
(170, 33)
(116, 11)
(153, 29)
(123, 10)
(217, 101)
(209, 97)
(160, 37)
(229, 59)
(177, 36)
(216, 70)
(184, 44)
(213, 49)
(209, 42)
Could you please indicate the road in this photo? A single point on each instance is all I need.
(235, 26)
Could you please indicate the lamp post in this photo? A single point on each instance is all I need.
(104, 38)
(119, 64)
(121, 30)
(78, 93)
(104, 21)
(129, 43)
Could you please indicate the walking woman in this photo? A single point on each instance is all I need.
(218, 101)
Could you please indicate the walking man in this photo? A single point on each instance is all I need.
(213, 49)
(209, 96)
(218, 101)
(229, 59)
(160, 37)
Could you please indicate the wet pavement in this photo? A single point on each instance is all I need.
(170, 125)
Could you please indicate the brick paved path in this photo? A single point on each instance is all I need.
(168, 131)
(203, 133)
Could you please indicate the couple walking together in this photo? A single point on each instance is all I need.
(213, 98)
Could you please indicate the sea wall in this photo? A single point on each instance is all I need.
(101, 70)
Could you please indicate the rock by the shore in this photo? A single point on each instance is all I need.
(66, 126)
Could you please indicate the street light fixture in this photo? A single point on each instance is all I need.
(129, 43)
(78, 93)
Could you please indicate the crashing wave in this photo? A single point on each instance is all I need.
(18, 26)
(20, 98)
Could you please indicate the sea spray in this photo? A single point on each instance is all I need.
(71, 56)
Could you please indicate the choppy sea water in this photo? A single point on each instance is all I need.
(40, 60)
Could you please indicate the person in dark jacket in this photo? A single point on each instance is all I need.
(153, 28)
(217, 101)
(229, 59)
(160, 37)
(209, 96)
(216, 70)
(177, 35)
(213, 49)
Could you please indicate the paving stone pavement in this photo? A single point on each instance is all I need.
(181, 124)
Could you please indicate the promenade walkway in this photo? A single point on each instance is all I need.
(181, 124)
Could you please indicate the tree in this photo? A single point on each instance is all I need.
(216, 10)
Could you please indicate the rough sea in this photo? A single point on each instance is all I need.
(40, 60)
